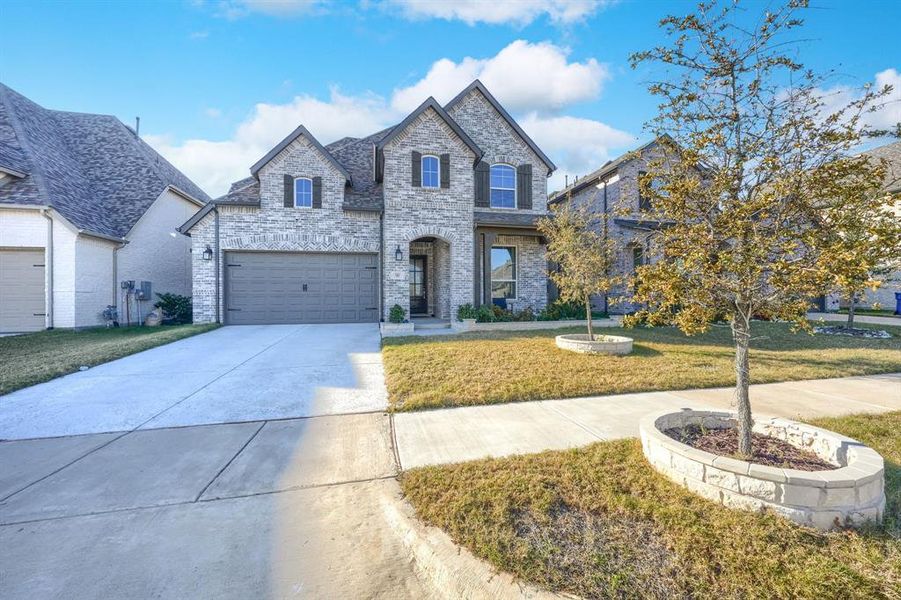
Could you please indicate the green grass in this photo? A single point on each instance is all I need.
(492, 367)
(599, 522)
(37, 357)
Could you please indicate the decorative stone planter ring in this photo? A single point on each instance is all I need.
(849, 495)
(601, 344)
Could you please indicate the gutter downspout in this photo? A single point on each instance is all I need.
(606, 235)
(218, 297)
(48, 277)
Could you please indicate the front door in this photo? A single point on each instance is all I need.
(419, 302)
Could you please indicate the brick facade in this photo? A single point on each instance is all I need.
(444, 216)
(622, 204)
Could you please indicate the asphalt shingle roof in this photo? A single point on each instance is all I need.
(892, 154)
(91, 168)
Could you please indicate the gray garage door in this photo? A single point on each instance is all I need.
(284, 287)
(21, 290)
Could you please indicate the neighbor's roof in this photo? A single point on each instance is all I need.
(90, 168)
(892, 154)
(608, 168)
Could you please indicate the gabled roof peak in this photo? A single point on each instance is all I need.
(478, 85)
(430, 102)
(300, 131)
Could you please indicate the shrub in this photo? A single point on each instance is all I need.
(397, 314)
(467, 311)
(176, 308)
(526, 314)
(485, 314)
(561, 311)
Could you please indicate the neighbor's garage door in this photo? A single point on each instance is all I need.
(283, 287)
(21, 290)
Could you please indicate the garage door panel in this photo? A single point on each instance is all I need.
(22, 297)
(268, 287)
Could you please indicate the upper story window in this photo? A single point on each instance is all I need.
(431, 171)
(303, 192)
(503, 186)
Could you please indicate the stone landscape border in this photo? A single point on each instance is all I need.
(848, 496)
(603, 344)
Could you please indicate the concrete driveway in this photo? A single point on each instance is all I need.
(227, 472)
(232, 374)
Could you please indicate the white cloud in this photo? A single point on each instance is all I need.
(887, 117)
(523, 76)
(516, 12)
(576, 145)
(199, 35)
(212, 112)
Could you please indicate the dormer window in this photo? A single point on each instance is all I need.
(503, 186)
(431, 171)
(303, 192)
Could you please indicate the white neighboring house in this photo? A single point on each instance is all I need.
(84, 205)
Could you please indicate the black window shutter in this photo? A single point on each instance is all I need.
(317, 192)
(417, 169)
(524, 186)
(445, 171)
(483, 184)
(289, 191)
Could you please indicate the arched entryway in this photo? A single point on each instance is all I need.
(429, 277)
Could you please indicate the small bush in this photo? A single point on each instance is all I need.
(397, 314)
(176, 308)
(562, 311)
(485, 314)
(467, 311)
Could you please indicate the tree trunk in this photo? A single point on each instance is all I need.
(741, 334)
(851, 304)
(588, 318)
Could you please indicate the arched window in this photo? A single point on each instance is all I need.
(503, 186)
(431, 171)
(303, 192)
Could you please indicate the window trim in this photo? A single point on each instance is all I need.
(422, 172)
(303, 178)
(491, 187)
(515, 279)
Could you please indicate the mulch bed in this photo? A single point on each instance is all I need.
(767, 450)
(877, 334)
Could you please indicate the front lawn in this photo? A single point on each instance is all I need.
(599, 522)
(492, 367)
(37, 357)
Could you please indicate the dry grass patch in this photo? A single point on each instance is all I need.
(599, 522)
(487, 368)
(37, 357)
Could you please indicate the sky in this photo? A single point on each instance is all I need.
(217, 83)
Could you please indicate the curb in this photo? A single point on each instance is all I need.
(448, 570)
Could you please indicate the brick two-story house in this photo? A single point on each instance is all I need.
(612, 194)
(430, 214)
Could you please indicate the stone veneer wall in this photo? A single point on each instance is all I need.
(275, 227)
(850, 495)
(413, 212)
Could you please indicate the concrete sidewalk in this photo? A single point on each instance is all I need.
(461, 434)
(867, 319)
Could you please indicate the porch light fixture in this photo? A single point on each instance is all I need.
(208, 253)
(398, 254)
